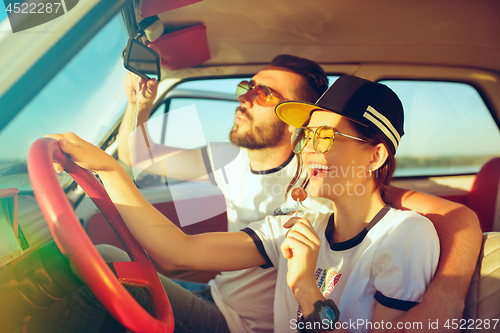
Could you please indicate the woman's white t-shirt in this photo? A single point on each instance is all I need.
(391, 261)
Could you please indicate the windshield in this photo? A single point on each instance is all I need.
(83, 98)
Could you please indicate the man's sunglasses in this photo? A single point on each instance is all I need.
(262, 95)
(322, 136)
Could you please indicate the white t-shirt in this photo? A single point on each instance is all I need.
(391, 261)
(246, 297)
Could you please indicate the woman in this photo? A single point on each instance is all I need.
(373, 261)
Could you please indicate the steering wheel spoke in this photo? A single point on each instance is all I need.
(132, 273)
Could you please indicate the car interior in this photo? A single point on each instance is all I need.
(442, 58)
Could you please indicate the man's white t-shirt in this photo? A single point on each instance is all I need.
(391, 262)
(246, 297)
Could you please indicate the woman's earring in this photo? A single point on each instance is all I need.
(370, 172)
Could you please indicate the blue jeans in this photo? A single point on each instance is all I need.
(80, 311)
(199, 289)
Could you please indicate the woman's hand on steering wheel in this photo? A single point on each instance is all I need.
(83, 153)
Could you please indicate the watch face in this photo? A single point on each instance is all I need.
(327, 313)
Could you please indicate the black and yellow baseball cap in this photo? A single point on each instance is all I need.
(368, 103)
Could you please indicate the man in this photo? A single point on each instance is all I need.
(265, 158)
(265, 164)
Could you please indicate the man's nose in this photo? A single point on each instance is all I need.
(246, 98)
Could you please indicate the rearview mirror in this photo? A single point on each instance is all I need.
(141, 60)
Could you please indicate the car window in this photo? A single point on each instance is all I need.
(196, 113)
(448, 129)
(193, 122)
(83, 98)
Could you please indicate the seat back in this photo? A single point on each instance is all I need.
(483, 299)
(484, 198)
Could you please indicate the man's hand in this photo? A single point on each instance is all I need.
(147, 90)
(147, 94)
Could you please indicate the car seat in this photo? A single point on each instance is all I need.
(484, 198)
(483, 299)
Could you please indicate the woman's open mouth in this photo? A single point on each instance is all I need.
(317, 170)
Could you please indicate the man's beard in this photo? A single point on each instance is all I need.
(265, 136)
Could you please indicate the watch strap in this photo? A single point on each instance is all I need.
(323, 318)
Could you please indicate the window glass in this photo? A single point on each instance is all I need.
(448, 129)
(227, 86)
(193, 122)
(196, 113)
(72, 102)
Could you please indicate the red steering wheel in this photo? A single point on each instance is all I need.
(73, 242)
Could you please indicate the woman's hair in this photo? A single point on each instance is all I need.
(300, 169)
(382, 175)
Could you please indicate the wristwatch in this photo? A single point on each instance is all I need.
(323, 318)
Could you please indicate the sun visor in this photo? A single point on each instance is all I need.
(184, 48)
(155, 7)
